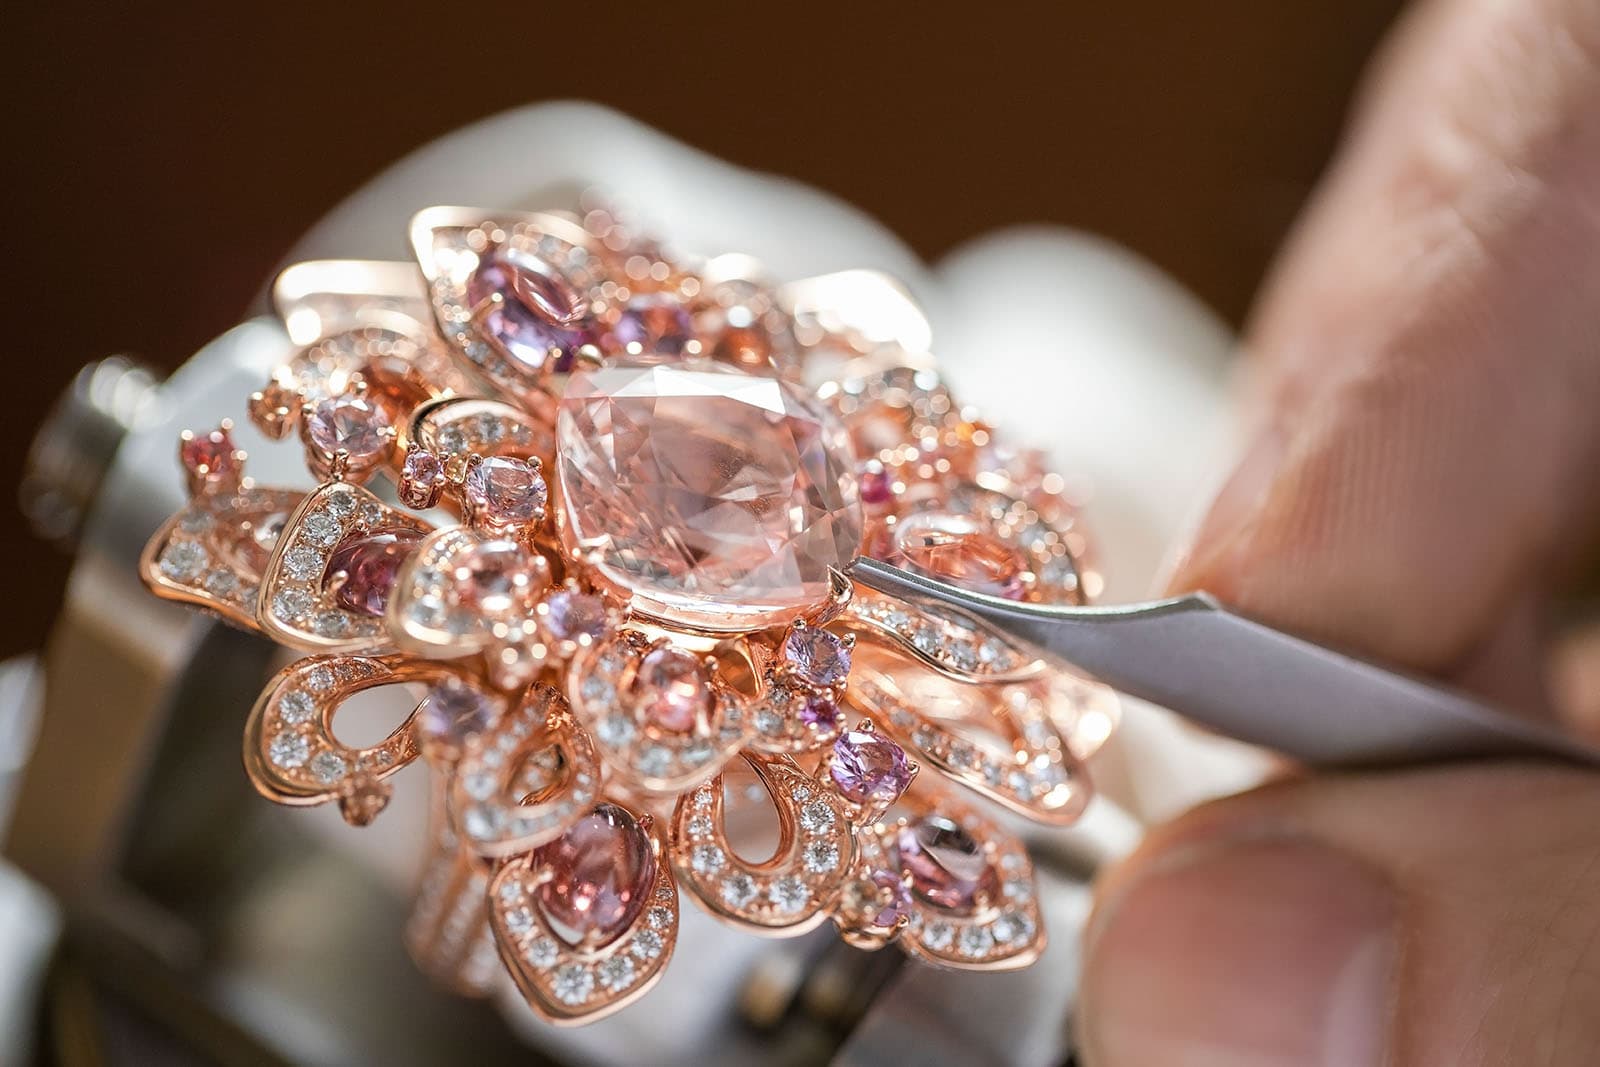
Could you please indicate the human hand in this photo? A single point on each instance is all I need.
(1421, 481)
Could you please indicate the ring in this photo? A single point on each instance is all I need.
(600, 499)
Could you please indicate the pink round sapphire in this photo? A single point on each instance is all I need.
(869, 768)
(718, 498)
(506, 492)
(671, 688)
(421, 478)
(601, 873)
(946, 864)
(351, 424)
(540, 322)
(576, 615)
(368, 565)
(958, 549)
(211, 459)
(652, 325)
(498, 578)
(453, 713)
(816, 655)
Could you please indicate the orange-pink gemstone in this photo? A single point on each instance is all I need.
(718, 498)
(600, 875)
(671, 689)
(960, 550)
(211, 459)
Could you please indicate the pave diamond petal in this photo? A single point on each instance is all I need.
(717, 497)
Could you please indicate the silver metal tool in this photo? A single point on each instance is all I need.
(1251, 682)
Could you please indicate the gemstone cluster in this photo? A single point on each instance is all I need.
(600, 503)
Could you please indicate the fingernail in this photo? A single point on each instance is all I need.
(1231, 509)
(1241, 955)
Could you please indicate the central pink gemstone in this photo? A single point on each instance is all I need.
(717, 497)
(601, 873)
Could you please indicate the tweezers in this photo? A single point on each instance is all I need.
(1245, 680)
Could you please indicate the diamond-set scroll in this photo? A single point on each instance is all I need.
(577, 500)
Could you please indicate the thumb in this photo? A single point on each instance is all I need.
(1444, 916)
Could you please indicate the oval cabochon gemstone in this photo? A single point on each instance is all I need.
(717, 497)
(601, 874)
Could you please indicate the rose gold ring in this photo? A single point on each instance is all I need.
(600, 500)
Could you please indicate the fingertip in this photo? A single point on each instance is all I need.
(1259, 952)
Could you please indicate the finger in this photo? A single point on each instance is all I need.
(1435, 917)
(1426, 440)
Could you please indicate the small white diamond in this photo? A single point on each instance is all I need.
(938, 936)
(332, 624)
(738, 889)
(320, 679)
(195, 522)
(653, 761)
(926, 639)
(482, 823)
(289, 750)
(371, 514)
(646, 944)
(789, 894)
(964, 656)
(490, 428)
(296, 707)
(510, 891)
(706, 859)
(341, 504)
(616, 973)
(542, 953)
(183, 561)
(976, 941)
(1019, 889)
(615, 730)
(452, 439)
(222, 583)
(1006, 929)
(700, 826)
(769, 722)
(596, 690)
(660, 917)
(821, 856)
(816, 817)
(303, 563)
(321, 529)
(573, 984)
(329, 767)
(478, 786)
(291, 603)
(519, 921)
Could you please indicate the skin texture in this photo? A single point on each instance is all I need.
(1422, 483)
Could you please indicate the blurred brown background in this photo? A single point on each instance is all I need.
(162, 157)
